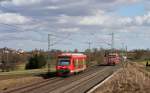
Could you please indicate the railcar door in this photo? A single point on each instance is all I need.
(76, 64)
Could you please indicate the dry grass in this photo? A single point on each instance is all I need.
(132, 79)
(22, 77)
(10, 83)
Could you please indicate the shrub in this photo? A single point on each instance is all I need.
(35, 62)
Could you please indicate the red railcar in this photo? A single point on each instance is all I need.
(112, 59)
(70, 63)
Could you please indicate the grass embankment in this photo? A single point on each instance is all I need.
(132, 79)
(22, 76)
(16, 82)
(22, 71)
(19, 78)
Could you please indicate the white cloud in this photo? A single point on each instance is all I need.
(55, 1)
(52, 7)
(94, 20)
(99, 18)
(105, 20)
(125, 20)
(63, 19)
(142, 20)
(13, 18)
(70, 29)
(20, 2)
(128, 1)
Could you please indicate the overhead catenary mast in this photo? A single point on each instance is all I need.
(89, 43)
(49, 46)
(112, 42)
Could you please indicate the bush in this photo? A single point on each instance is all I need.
(35, 62)
(147, 64)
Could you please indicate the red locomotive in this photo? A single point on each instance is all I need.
(70, 63)
(112, 59)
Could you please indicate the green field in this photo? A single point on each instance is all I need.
(148, 69)
(144, 63)
(141, 62)
(22, 72)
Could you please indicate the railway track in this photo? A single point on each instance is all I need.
(84, 84)
(75, 84)
(79, 86)
(60, 86)
(32, 86)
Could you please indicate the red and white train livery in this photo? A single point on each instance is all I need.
(70, 63)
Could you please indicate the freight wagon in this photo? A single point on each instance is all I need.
(112, 58)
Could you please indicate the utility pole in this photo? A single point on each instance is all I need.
(49, 50)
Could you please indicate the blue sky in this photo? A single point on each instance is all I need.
(72, 23)
(136, 9)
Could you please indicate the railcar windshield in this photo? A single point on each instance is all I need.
(63, 62)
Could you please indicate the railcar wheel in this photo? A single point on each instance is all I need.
(114, 64)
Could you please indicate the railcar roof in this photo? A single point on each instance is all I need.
(113, 54)
(72, 54)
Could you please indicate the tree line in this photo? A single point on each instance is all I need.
(10, 59)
